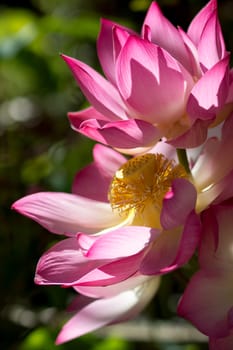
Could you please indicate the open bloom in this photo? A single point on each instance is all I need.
(162, 83)
(208, 299)
(127, 221)
(123, 218)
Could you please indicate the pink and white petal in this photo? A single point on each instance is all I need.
(211, 47)
(210, 92)
(99, 92)
(173, 248)
(64, 213)
(194, 136)
(178, 204)
(106, 47)
(198, 24)
(165, 35)
(121, 242)
(63, 264)
(112, 289)
(150, 81)
(102, 312)
(206, 302)
(126, 135)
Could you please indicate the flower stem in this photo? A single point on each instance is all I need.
(183, 159)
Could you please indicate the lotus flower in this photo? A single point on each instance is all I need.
(127, 222)
(114, 200)
(164, 83)
(122, 233)
(208, 299)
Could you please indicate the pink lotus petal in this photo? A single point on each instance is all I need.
(112, 289)
(107, 160)
(106, 48)
(199, 22)
(164, 34)
(112, 272)
(122, 242)
(177, 207)
(102, 312)
(126, 134)
(63, 264)
(194, 136)
(216, 245)
(217, 162)
(206, 302)
(90, 113)
(210, 92)
(211, 47)
(194, 68)
(151, 81)
(225, 343)
(167, 150)
(90, 182)
(226, 189)
(173, 248)
(64, 213)
(100, 93)
(93, 181)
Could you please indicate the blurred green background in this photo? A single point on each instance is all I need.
(39, 151)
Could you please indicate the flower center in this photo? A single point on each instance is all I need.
(140, 185)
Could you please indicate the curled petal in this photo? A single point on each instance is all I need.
(63, 264)
(173, 248)
(126, 135)
(179, 204)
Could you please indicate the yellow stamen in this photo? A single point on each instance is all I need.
(140, 185)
